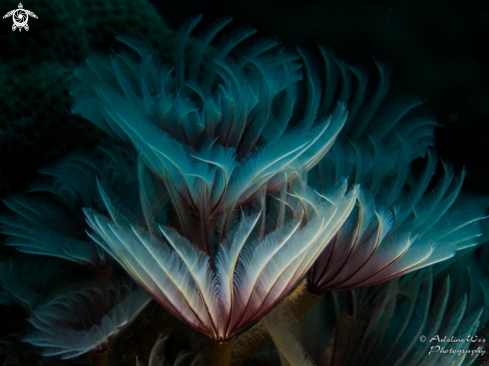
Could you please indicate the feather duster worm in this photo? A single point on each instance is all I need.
(211, 153)
(85, 318)
(397, 226)
(255, 268)
(49, 219)
(388, 325)
(400, 322)
(219, 223)
(219, 147)
(374, 246)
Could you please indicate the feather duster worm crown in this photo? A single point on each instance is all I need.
(400, 224)
(212, 152)
(383, 324)
(85, 317)
(212, 148)
(230, 224)
(48, 220)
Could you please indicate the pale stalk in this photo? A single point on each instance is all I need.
(217, 353)
(257, 338)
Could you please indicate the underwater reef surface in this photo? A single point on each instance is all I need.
(278, 204)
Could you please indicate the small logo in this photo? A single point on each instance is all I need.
(20, 17)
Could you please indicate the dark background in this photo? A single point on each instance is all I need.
(436, 49)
